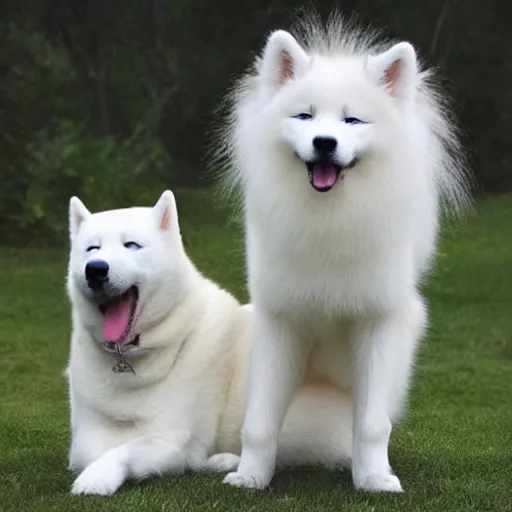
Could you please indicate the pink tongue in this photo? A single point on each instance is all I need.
(324, 175)
(117, 319)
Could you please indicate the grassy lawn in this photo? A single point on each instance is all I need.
(453, 451)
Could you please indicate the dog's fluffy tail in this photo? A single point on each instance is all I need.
(317, 429)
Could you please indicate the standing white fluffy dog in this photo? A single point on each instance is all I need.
(344, 152)
(134, 292)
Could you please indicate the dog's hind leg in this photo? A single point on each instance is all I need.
(318, 428)
(222, 462)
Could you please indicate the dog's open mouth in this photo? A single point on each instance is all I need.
(324, 175)
(119, 316)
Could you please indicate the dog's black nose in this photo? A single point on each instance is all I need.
(96, 273)
(325, 144)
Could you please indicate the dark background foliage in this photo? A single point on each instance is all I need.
(113, 100)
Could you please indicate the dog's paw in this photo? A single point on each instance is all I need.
(101, 478)
(222, 462)
(381, 483)
(249, 481)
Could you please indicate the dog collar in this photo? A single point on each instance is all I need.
(121, 365)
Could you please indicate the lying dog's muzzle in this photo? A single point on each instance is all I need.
(96, 274)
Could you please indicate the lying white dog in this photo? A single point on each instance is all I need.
(140, 304)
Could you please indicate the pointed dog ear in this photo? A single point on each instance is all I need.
(396, 69)
(77, 214)
(283, 59)
(166, 213)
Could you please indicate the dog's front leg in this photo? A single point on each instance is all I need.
(383, 357)
(276, 365)
(136, 459)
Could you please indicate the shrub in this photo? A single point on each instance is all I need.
(65, 160)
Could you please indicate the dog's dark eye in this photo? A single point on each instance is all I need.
(304, 116)
(133, 246)
(92, 248)
(352, 120)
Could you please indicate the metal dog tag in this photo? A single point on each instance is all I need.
(121, 365)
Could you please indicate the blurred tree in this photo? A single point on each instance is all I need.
(114, 100)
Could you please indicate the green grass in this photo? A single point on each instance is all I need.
(453, 451)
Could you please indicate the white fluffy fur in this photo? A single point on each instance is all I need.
(334, 276)
(184, 407)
